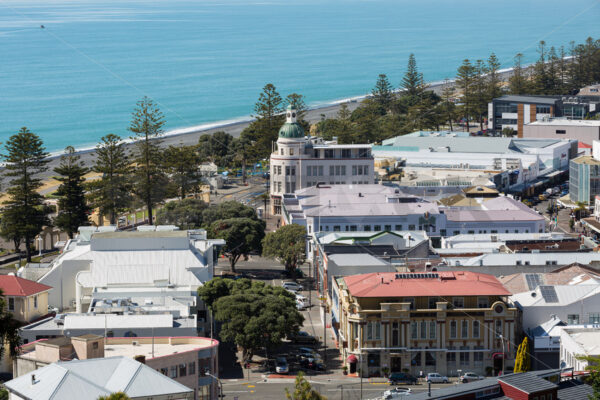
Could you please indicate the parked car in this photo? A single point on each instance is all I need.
(400, 377)
(470, 377)
(281, 365)
(292, 286)
(303, 337)
(396, 393)
(434, 377)
(300, 305)
(313, 363)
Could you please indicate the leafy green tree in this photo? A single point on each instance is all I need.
(73, 210)
(253, 315)
(243, 153)
(518, 83)
(9, 330)
(227, 210)
(303, 390)
(216, 147)
(112, 192)
(186, 213)
(115, 396)
(594, 378)
(182, 164)
(383, 93)
(288, 245)
(241, 235)
(465, 81)
(522, 360)
(9, 228)
(25, 158)
(150, 183)
(3, 394)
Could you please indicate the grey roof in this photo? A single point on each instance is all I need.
(140, 234)
(527, 383)
(345, 260)
(90, 379)
(574, 390)
(528, 99)
(454, 390)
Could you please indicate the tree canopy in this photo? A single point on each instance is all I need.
(303, 390)
(226, 210)
(288, 245)
(241, 235)
(9, 330)
(253, 315)
(186, 213)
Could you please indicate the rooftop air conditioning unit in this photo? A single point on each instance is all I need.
(135, 343)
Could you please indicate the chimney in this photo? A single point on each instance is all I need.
(33, 381)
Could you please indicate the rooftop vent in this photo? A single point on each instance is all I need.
(417, 276)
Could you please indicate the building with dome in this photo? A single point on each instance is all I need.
(300, 161)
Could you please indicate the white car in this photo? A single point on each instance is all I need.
(292, 286)
(470, 377)
(434, 377)
(396, 393)
(300, 305)
(281, 365)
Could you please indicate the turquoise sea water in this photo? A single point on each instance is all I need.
(207, 60)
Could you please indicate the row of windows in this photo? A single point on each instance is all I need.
(457, 302)
(180, 370)
(11, 303)
(336, 170)
(573, 319)
(472, 232)
(464, 357)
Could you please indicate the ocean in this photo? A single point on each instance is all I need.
(205, 61)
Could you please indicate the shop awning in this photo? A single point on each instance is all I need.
(498, 355)
(352, 358)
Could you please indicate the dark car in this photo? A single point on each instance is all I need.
(401, 377)
(303, 337)
(312, 363)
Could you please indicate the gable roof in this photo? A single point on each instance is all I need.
(527, 383)
(12, 285)
(89, 379)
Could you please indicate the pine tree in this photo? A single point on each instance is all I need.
(493, 79)
(269, 106)
(383, 93)
(480, 91)
(73, 210)
(540, 77)
(182, 163)
(149, 180)
(412, 83)
(25, 158)
(112, 192)
(465, 80)
(448, 106)
(518, 80)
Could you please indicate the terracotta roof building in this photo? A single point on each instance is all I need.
(26, 300)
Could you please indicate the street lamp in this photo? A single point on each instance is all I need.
(218, 381)
(503, 354)
(39, 240)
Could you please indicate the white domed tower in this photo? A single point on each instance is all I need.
(285, 160)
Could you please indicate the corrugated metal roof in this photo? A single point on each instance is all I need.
(356, 259)
(527, 383)
(528, 99)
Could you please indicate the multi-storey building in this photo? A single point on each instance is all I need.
(584, 179)
(424, 322)
(298, 161)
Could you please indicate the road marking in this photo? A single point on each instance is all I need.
(251, 386)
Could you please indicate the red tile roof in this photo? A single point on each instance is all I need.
(14, 286)
(449, 283)
(582, 145)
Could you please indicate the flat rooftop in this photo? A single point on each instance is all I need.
(588, 339)
(161, 348)
(588, 160)
(567, 122)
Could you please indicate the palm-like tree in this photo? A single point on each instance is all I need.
(9, 330)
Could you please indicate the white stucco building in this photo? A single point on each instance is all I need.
(298, 161)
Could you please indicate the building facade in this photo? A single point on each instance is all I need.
(298, 162)
(584, 179)
(26, 300)
(425, 322)
(585, 131)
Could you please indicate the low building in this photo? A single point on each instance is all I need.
(375, 208)
(573, 304)
(584, 131)
(26, 300)
(548, 384)
(577, 342)
(429, 322)
(533, 261)
(298, 162)
(92, 378)
(183, 359)
(584, 179)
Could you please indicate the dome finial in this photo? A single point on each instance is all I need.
(290, 115)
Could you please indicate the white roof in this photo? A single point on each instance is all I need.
(561, 258)
(112, 321)
(566, 122)
(90, 379)
(347, 260)
(566, 294)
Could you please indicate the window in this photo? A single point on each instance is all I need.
(377, 228)
(395, 334)
(476, 329)
(329, 153)
(182, 369)
(287, 171)
(453, 329)
(498, 328)
(164, 371)
(173, 372)
(343, 170)
(373, 330)
(416, 359)
(331, 170)
(398, 227)
(291, 151)
(430, 358)
(95, 346)
(411, 301)
(387, 227)
(360, 170)
(337, 170)
(423, 329)
(432, 302)
(281, 151)
(464, 356)
(346, 153)
(309, 171)
(458, 302)
(293, 171)
(411, 227)
(450, 358)
(464, 329)
(483, 302)
(320, 170)
(373, 360)
(11, 304)
(192, 368)
(366, 170)
(367, 228)
(336, 228)
(35, 303)
(478, 358)
(354, 170)
(594, 318)
(413, 330)
(561, 131)
(432, 326)
(573, 319)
